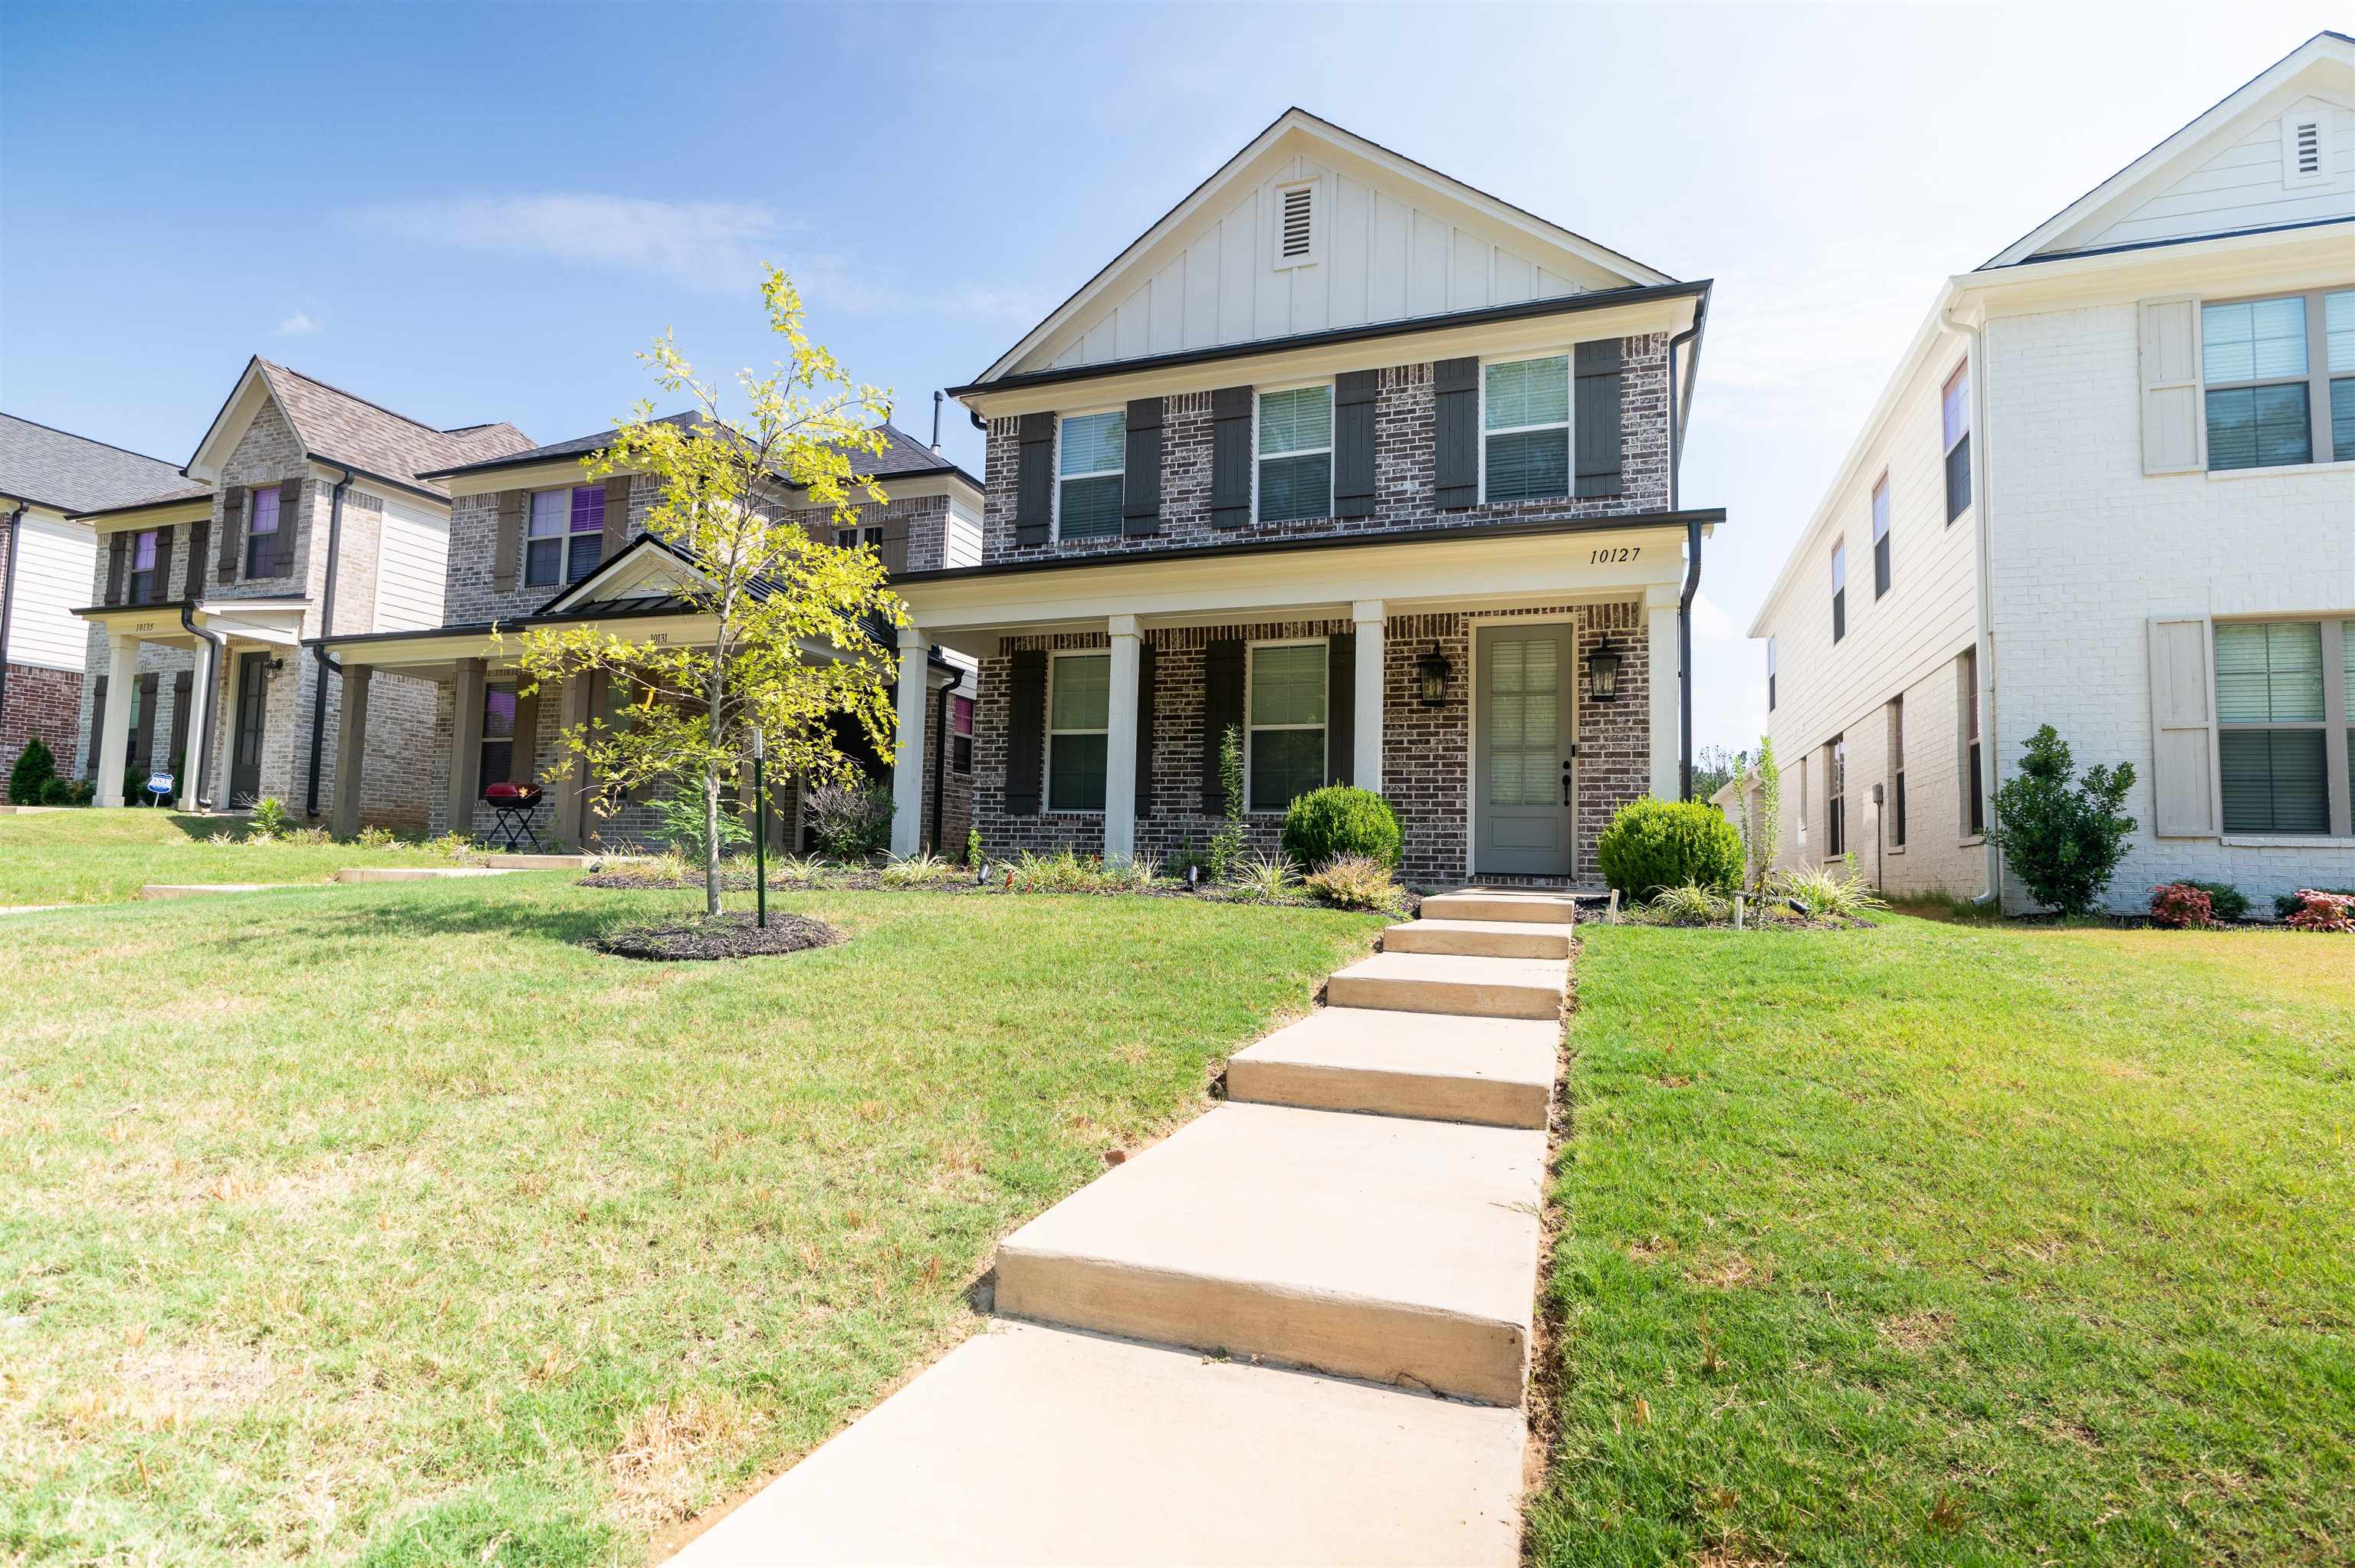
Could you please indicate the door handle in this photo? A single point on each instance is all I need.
(1565, 783)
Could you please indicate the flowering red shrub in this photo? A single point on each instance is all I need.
(2320, 911)
(2181, 906)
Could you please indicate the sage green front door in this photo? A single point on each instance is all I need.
(1523, 779)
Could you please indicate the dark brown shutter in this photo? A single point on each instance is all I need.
(1145, 726)
(1598, 399)
(1455, 387)
(1341, 708)
(142, 739)
(1354, 394)
(527, 734)
(232, 524)
(176, 754)
(1032, 475)
(1222, 705)
(1140, 500)
(1231, 457)
(290, 531)
(118, 559)
(617, 516)
(1026, 732)
(162, 578)
(507, 547)
(895, 544)
(97, 726)
(200, 532)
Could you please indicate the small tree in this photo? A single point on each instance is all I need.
(2065, 840)
(29, 781)
(770, 590)
(1762, 842)
(1227, 843)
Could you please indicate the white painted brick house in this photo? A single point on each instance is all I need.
(2109, 488)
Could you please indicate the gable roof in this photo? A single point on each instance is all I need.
(1431, 217)
(904, 458)
(333, 426)
(73, 474)
(2111, 215)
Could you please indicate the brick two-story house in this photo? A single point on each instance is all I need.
(533, 543)
(304, 513)
(1368, 465)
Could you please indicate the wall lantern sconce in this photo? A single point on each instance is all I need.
(1433, 667)
(1603, 672)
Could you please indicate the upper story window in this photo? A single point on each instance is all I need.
(1840, 590)
(2279, 379)
(1284, 740)
(1525, 428)
(1770, 674)
(1955, 415)
(852, 538)
(1296, 454)
(1078, 715)
(261, 542)
(1093, 452)
(144, 589)
(1881, 538)
(566, 536)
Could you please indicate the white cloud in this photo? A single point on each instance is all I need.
(1710, 624)
(302, 324)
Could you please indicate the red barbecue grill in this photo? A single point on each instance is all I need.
(513, 809)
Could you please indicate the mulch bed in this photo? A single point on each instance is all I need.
(870, 882)
(730, 936)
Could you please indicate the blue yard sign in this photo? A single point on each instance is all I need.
(160, 785)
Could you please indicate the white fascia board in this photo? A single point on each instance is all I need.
(537, 476)
(194, 510)
(228, 428)
(2269, 91)
(2227, 264)
(1551, 330)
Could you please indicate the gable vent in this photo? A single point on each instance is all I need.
(1295, 224)
(2306, 152)
(2307, 148)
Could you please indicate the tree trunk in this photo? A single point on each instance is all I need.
(710, 841)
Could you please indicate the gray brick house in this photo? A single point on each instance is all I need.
(533, 543)
(302, 513)
(1363, 462)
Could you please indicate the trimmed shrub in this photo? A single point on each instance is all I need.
(2228, 902)
(1356, 881)
(850, 822)
(2322, 911)
(2064, 839)
(1652, 845)
(2181, 907)
(36, 770)
(2288, 903)
(1338, 819)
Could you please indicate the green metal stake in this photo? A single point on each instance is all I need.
(760, 834)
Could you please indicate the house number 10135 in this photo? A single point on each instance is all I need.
(1614, 558)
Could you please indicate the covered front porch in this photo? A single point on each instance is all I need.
(1505, 688)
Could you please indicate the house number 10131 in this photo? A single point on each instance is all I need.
(1614, 558)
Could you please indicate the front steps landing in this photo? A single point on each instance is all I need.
(1035, 1446)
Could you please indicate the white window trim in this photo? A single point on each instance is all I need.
(1946, 447)
(1333, 409)
(1055, 471)
(1046, 760)
(1568, 355)
(2317, 379)
(1251, 678)
(1277, 258)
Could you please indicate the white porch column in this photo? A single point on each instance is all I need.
(1660, 672)
(908, 765)
(196, 727)
(1367, 616)
(115, 734)
(1120, 741)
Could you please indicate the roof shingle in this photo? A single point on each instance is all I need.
(76, 474)
(333, 424)
(903, 456)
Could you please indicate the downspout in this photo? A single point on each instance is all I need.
(1983, 527)
(1677, 421)
(203, 722)
(8, 599)
(318, 651)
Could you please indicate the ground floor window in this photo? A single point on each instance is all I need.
(1966, 680)
(961, 734)
(1897, 772)
(1079, 710)
(1836, 797)
(498, 734)
(1285, 746)
(2279, 716)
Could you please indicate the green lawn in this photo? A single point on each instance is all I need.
(387, 1223)
(94, 856)
(1934, 1244)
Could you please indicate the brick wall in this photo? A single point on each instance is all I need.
(1426, 751)
(1405, 458)
(45, 703)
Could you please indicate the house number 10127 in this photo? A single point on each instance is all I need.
(1614, 558)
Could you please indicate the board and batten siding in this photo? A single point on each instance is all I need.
(1905, 644)
(961, 544)
(56, 561)
(2241, 186)
(413, 564)
(1383, 256)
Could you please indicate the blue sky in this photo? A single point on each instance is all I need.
(482, 212)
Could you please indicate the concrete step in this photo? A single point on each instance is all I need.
(415, 873)
(203, 889)
(1500, 903)
(504, 860)
(1028, 1444)
(1397, 1250)
(1480, 939)
(1495, 1070)
(1439, 983)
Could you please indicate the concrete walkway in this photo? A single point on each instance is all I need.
(1296, 1330)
